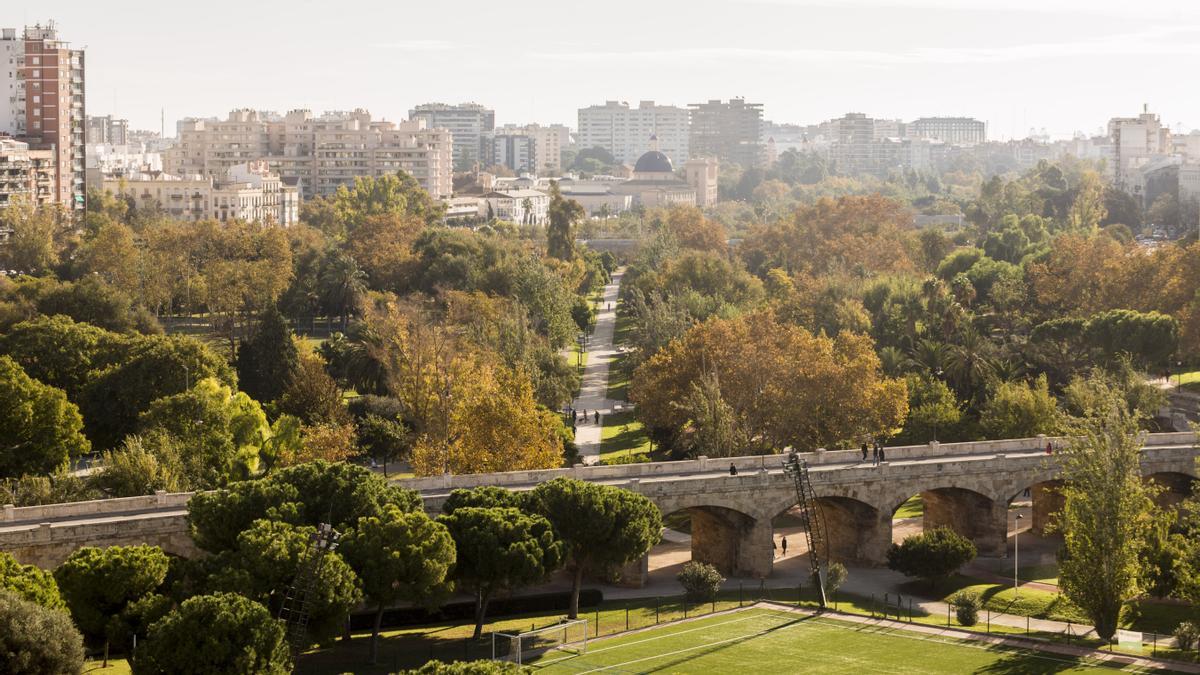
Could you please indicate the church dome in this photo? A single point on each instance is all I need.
(653, 162)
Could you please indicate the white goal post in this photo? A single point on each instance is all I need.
(568, 635)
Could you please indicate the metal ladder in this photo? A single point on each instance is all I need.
(297, 602)
(813, 520)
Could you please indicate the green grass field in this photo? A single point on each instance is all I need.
(622, 435)
(770, 641)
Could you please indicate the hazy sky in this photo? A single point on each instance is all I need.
(1061, 65)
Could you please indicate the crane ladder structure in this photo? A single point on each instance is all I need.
(297, 602)
(813, 520)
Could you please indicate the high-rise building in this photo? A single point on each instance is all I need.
(469, 123)
(532, 148)
(729, 131)
(1135, 141)
(626, 132)
(107, 129)
(952, 130)
(323, 153)
(42, 103)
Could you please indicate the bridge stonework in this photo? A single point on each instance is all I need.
(966, 486)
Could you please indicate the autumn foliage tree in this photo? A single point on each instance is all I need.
(786, 386)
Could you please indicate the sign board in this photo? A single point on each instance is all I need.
(1129, 639)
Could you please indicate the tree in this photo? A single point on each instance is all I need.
(932, 556)
(399, 556)
(57, 351)
(1020, 410)
(1105, 517)
(36, 640)
(307, 494)
(500, 549)
(466, 668)
(141, 466)
(218, 633)
(482, 497)
(312, 395)
(601, 526)
(32, 246)
(1087, 209)
(384, 439)
(98, 583)
(91, 300)
(932, 407)
(700, 580)
(40, 430)
(29, 583)
(269, 360)
(715, 430)
(266, 562)
(342, 284)
(225, 430)
(563, 213)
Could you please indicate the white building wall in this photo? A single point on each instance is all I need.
(625, 132)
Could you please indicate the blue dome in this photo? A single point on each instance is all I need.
(654, 162)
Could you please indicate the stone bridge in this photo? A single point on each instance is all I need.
(966, 486)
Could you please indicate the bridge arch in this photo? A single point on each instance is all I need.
(1176, 486)
(977, 516)
(737, 543)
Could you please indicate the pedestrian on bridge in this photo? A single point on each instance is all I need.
(732, 469)
(597, 417)
(875, 456)
(864, 451)
(881, 457)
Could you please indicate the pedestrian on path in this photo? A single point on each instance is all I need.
(784, 544)
(732, 469)
(875, 457)
(864, 451)
(881, 457)
(597, 417)
(585, 415)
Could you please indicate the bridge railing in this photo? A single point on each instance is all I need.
(96, 507)
(755, 462)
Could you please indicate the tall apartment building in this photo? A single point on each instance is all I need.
(532, 148)
(42, 90)
(24, 173)
(470, 124)
(731, 132)
(323, 152)
(952, 130)
(107, 129)
(626, 132)
(1135, 141)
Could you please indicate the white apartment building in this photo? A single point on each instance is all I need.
(323, 153)
(531, 148)
(12, 85)
(525, 207)
(952, 130)
(469, 123)
(626, 132)
(1135, 141)
(249, 192)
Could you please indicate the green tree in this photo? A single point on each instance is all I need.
(466, 668)
(932, 408)
(98, 583)
(218, 633)
(141, 466)
(500, 549)
(342, 285)
(383, 439)
(29, 582)
(1020, 410)
(267, 561)
(306, 494)
(312, 395)
(225, 430)
(91, 300)
(601, 526)
(40, 430)
(31, 246)
(1105, 518)
(716, 432)
(267, 362)
(482, 497)
(932, 556)
(399, 556)
(57, 351)
(36, 640)
(564, 213)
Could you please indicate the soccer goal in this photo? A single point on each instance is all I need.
(569, 635)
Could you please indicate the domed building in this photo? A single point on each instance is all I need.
(655, 183)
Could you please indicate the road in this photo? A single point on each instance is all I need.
(593, 391)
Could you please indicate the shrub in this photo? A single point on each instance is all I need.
(932, 555)
(29, 583)
(1186, 635)
(966, 607)
(36, 640)
(219, 633)
(835, 576)
(700, 581)
(466, 668)
(630, 458)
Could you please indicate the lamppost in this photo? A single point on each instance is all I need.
(1017, 555)
(939, 375)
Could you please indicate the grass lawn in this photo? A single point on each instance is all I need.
(913, 508)
(115, 667)
(767, 641)
(622, 434)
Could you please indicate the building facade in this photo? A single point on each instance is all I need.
(952, 130)
(42, 84)
(729, 131)
(322, 153)
(25, 174)
(531, 148)
(523, 206)
(107, 129)
(469, 123)
(702, 174)
(1135, 142)
(249, 192)
(626, 132)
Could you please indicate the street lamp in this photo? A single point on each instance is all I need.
(1017, 555)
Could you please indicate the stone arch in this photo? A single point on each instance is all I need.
(858, 532)
(734, 542)
(979, 517)
(1176, 487)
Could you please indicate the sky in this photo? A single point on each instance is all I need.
(1055, 65)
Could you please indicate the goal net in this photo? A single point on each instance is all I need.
(569, 635)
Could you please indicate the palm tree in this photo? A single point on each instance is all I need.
(969, 363)
(930, 355)
(342, 285)
(893, 361)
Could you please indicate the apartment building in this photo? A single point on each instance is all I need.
(249, 192)
(42, 103)
(523, 206)
(25, 174)
(729, 131)
(470, 124)
(107, 129)
(531, 148)
(626, 132)
(1135, 142)
(952, 130)
(322, 153)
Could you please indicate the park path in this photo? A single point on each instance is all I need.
(593, 390)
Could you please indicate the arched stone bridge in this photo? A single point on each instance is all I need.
(966, 486)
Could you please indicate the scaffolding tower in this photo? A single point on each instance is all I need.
(297, 602)
(813, 520)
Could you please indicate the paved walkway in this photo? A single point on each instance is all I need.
(593, 391)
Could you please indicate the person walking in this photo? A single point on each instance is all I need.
(732, 469)
(784, 544)
(1049, 447)
(875, 456)
(585, 415)
(882, 459)
(597, 417)
(774, 548)
(864, 451)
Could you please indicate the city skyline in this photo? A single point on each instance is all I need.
(1029, 66)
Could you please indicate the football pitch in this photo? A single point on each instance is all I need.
(768, 641)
